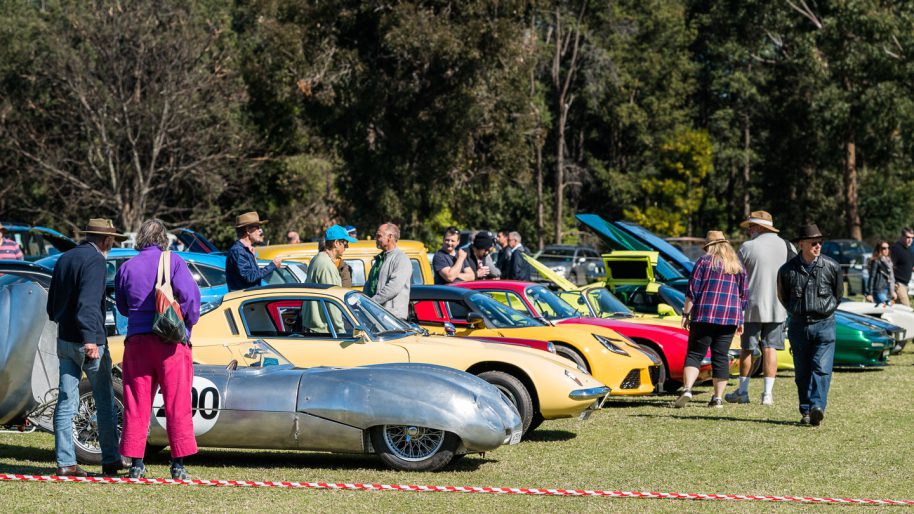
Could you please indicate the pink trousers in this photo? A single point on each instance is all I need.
(149, 362)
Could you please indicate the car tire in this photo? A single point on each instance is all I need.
(412, 448)
(515, 391)
(563, 350)
(663, 375)
(671, 386)
(85, 438)
(536, 422)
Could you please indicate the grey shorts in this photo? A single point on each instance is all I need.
(762, 335)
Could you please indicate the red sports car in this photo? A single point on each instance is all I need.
(667, 344)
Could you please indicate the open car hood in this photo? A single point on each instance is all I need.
(550, 275)
(618, 236)
(194, 241)
(28, 350)
(60, 241)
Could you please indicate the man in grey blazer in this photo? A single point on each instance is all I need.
(391, 273)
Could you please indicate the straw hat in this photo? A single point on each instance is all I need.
(103, 227)
(761, 219)
(249, 218)
(715, 237)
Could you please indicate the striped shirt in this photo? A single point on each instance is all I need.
(718, 297)
(9, 249)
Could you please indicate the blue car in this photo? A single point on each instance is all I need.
(207, 269)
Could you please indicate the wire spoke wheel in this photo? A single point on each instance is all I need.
(85, 423)
(412, 443)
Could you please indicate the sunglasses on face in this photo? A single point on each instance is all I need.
(815, 243)
(883, 247)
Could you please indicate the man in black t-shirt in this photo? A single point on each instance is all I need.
(449, 263)
(903, 264)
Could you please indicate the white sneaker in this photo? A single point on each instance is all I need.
(737, 397)
(682, 400)
(767, 399)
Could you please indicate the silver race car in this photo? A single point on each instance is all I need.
(267, 403)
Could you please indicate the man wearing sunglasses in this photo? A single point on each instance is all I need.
(809, 287)
(902, 264)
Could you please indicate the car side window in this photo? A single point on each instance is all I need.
(302, 318)
(510, 299)
(457, 311)
(214, 276)
(644, 303)
(358, 272)
(197, 276)
(416, 279)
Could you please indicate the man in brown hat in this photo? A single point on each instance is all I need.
(762, 256)
(76, 301)
(241, 269)
(9, 249)
(809, 286)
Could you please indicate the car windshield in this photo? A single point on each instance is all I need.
(499, 315)
(377, 321)
(549, 305)
(606, 304)
(672, 297)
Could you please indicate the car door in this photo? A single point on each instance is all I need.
(312, 331)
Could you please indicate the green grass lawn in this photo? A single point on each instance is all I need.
(864, 448)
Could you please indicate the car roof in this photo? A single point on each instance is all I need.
(514, 285)
(445, 293)
(10, 266)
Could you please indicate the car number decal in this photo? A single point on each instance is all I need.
(204, 403)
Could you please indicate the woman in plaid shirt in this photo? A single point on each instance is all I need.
(713, 313)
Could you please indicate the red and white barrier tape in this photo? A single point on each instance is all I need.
(451, 489)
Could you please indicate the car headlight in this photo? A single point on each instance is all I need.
(609, 345)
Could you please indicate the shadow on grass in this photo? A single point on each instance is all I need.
(857, 370)
(220, 458)
(725, 418)
(549, 435)
(27, 453)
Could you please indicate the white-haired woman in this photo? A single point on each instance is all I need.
(713, 313)
(149, 362)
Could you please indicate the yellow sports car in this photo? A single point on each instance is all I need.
(333, 326)
(650, 302)
(609, 356)
(358, 256)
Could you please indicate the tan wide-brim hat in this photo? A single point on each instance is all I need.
(761, 219)
(715, 237)
(249, 218)
(103, 227)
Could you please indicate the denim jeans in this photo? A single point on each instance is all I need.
(881, 297)
(73, 363)
(813, 345)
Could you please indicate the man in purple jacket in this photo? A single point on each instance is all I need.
(150, 362)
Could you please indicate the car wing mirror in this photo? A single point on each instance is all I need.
(422, 331)
(664, 310)
(359, 334)
(449, 329)
(475, 320)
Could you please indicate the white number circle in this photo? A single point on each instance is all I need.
(205, 404)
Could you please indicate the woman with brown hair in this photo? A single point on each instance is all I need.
(881, 283)
(712, 314)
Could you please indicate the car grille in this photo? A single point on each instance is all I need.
(655, 374)
(632, 380)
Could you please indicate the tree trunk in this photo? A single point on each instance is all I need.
(746, 166)
(850, 190)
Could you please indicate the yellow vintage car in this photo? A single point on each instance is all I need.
(333, 326)
(642, 298)
(609, 356)
(359, 256)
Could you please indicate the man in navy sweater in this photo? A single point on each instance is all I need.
(76, 301)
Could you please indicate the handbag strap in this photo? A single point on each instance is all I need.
(163, 277)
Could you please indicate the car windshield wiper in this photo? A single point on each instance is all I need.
(395, 331)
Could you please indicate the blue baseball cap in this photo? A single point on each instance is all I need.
(337, 232)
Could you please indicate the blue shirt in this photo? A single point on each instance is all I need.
(241, 269)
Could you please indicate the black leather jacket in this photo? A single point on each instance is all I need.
(810, 296)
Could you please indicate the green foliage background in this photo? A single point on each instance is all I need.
(684, 113)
